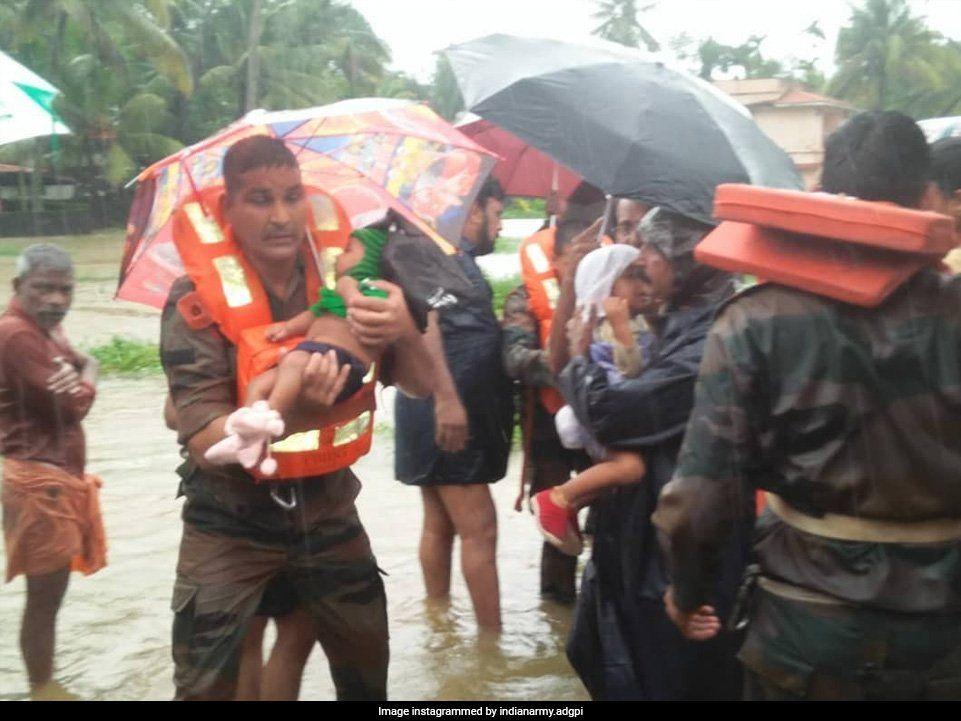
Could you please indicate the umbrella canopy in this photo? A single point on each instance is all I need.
(369, 154)
(522, 170)
(625, 122)
(938, 128)
(25, 104)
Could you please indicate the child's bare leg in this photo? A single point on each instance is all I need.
(623, 468)
(289, 379)
(260, 388)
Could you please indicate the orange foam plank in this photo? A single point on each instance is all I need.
(881, 225)
(859, 275)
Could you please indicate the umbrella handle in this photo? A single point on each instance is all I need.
(314, 255)
(608, 205)
(552, 221)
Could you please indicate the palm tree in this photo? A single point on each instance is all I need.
(117, 68)
(274, 54)
(445, 93)
(883, 52)
(105, 26)
(619, 24)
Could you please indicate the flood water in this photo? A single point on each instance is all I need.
(114, 629)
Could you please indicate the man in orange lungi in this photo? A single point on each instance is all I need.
(51, 514)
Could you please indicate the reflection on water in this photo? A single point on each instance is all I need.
(114, 629)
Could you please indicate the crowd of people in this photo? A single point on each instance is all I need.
(650, 389)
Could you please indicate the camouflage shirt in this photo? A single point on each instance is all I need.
(200, 364)
(836, 409)
(524, 359)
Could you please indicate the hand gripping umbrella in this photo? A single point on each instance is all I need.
(623, 121)
(369, 154)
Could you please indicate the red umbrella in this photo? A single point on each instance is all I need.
(523, 170)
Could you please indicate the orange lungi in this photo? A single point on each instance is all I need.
(51, 520)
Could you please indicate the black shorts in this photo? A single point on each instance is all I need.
(279, 599)
(355, 379)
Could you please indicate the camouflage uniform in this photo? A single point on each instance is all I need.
(236, 539)
(836, 409)
(547, 462)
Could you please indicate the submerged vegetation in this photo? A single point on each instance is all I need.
(123, 356)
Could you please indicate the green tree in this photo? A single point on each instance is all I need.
(402, 85)
(275, 54)
(140, 78)
(708, 57)
(445, 96)
(114, 31)
(883, 53)
(618, 23)
(746, 56)
(117, 68)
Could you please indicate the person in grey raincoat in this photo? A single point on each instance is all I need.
(622, 643)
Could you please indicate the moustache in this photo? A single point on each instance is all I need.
(52, 315)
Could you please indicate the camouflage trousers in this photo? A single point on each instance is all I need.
(837, 651)
(220, 582)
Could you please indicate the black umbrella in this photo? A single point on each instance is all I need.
(624, 122)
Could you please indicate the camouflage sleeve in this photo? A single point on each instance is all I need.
(524, 360)
(199, 371)
(709, 494)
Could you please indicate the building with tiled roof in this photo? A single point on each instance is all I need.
(795, 118)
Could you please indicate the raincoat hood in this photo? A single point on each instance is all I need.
(675, 237)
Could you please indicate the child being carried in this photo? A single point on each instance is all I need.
(612, 290)
(274, 392)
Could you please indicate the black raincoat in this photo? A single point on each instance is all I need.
(622, 643)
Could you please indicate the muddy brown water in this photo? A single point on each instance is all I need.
(114, 630)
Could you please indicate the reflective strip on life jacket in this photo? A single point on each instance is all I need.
(234, 297)
(543, 290)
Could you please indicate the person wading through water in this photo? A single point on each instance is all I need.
(51, 513)
(239, 535)
(847, 417)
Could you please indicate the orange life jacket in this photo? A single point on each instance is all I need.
(229, 293)
(543, 290)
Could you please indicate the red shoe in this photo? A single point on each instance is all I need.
(558, 525)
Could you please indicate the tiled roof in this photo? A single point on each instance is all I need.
(777, 92)
(796, 96)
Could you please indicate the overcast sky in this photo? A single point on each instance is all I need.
(415, 29)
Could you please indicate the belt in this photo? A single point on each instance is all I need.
(868, 530)
(797, 593)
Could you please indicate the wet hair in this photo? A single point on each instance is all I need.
(585, 204)
(877, 155)
(257, 151)
(566, 231)
(490, 189)
(585, 194)
(43, 256)
(946, 165)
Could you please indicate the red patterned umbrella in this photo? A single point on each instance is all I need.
(369, 154)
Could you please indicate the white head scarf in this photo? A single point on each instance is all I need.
(596, 274)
